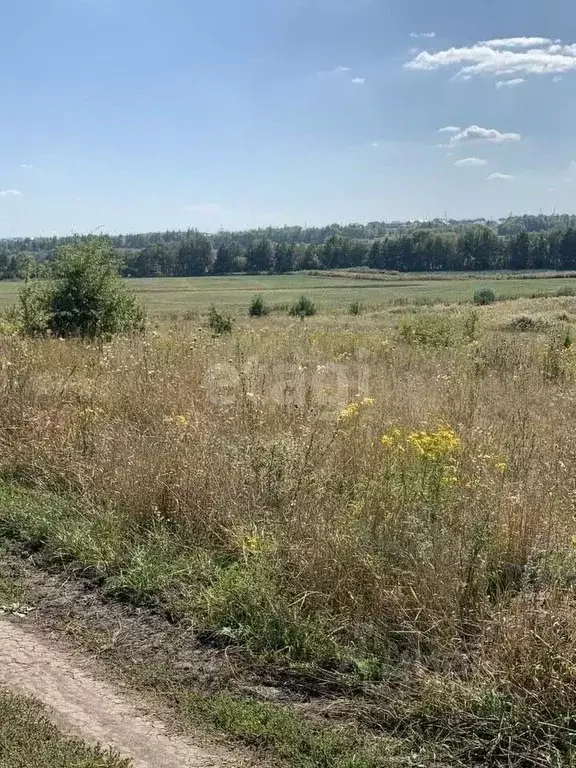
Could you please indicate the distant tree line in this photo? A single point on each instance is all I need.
(525, 242)
(475, 248)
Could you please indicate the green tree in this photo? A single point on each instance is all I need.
(519, 251)
(227, 258)
(260, 256)
(194, 255)
(155, 260)
(284, 258)
(568, 249)
(81, 295)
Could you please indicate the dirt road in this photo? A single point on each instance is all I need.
(91, 709)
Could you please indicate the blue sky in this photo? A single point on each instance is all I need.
(142, 115)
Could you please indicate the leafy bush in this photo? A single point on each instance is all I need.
(355, 308)
(81, 294)
(258, 307)
(484, 296)
(219, 322)
(302, 308)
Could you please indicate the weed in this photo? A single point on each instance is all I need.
(219, 322)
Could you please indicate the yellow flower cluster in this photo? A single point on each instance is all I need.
(438, 445)
(354, 408)
(435, 446)
(178, 421)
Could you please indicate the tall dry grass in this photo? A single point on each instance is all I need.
(291, 526)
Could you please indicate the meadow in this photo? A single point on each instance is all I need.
(382, 502)
(332, 293)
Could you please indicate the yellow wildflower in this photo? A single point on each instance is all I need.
(354, 408)
(434, 446)
(253, 544)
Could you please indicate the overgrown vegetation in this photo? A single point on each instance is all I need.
(80, 294)
(385, 505)
(28, 739)
(219, 322)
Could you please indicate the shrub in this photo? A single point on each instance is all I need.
(355, 308)
(81, 294)
(219, 322)
(526, 323)
(258, 307)
(302, 308)
(484, 296)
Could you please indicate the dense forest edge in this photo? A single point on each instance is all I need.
(515, 243)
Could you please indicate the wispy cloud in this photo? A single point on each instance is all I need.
(450, 129)
(10, 193)
(422, 35)
(336, 71)
(375, 144)
(522, 56)
(500, 177)
(476, 133)
(359, 80)
(470, 162)
(26, 167)
(510, 83)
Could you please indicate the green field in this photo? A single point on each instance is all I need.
(330, 293)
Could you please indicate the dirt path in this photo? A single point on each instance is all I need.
(90, 709)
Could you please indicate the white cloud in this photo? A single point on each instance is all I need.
(422, 35)
(26, 167)
(521, 56)
(519, 42)
(500, 177)
(375, 144)
(470, 162)
(450, 129)
(510, 83)
(359, 80)
(476, 133)
(10, 193)
(336, 71)
(557, 79)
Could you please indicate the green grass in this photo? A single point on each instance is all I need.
(29, 740)
(290, 736)
(329, 293)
